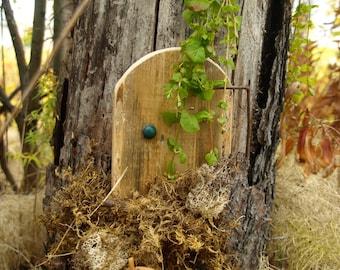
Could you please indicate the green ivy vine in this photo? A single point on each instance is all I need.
(211, 22)
(300, 54)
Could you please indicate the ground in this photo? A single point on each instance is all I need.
(306, 221)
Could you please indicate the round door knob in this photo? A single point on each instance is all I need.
(149, 132)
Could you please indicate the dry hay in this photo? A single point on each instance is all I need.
(172, 227)
(306, 221)
(264, 263)
(22, 235)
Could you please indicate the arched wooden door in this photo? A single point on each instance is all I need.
(139, 102)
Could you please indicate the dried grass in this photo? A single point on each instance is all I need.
(22, 235)
(306, 221)
(168, 228)
(159, 230)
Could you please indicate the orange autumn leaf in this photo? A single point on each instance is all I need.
(287, 147)
(327, 150)
(301, 150)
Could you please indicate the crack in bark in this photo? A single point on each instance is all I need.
(265, 100)
(58, 136)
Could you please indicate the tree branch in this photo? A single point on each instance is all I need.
(37, 36)
(4, 167)
(17, 42)
(5, 100)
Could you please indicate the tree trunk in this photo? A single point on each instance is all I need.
(261, 62)
(111, 35)
(62, 11)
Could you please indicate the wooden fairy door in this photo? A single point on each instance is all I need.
(139, 132)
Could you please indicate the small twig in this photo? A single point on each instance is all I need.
(53, 255)
(211, 131)
(109, 194)
(283, 237)
(246, 87)
(19, 253)
(60, 255)
(62, 239)
(70, 226)
(131, 264)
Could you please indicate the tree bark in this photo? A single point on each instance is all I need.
(109, 38)
(114, 34)
(62, 10)
(261, 63)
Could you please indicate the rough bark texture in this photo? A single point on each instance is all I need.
(108, 38)
(62, 10)
(113, 34)
(104, 47)
(261, 63)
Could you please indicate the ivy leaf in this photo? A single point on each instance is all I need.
(222, 105)
(236, 8)
(168, 90)
(215, 7)
(203, 116)
(187, 15)
(230, 63)
(171, 143)
(222, 121)
(218, 83)
(194, 50)
(176, 77)
(298, 96)
(182, 157)
(311, 91)
(197, 5)
(189, 122)
(183, 92)
(170, 117)
(207, 94)
(212, 157)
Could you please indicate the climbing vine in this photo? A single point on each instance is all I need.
(310, 118)
(39, 139)
(212, 22)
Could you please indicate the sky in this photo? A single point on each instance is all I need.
(23, 13)
(322, 19)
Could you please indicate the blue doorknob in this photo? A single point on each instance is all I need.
(149, 132)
